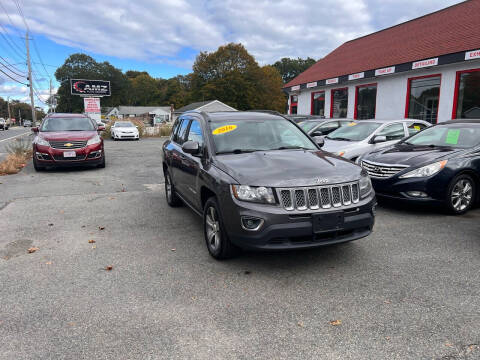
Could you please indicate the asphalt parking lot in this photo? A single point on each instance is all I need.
(409, 291)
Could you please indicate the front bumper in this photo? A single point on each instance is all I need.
(434, 187)
(48, 156)
(283, 230)
(118, 135)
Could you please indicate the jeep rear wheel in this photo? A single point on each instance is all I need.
(172, 199)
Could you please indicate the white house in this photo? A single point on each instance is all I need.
(427, 68)
(207, 106)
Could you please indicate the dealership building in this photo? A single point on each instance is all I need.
(427, 68)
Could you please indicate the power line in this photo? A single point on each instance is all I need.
(12, 65)
(40, 58)
(10, 20)
(6, 67)
(4, 73)
(21, 13)
(11, 43)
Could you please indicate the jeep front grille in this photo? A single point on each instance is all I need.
(382, 170)
(319, 197)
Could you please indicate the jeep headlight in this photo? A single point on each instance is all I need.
(258, 194)
(365, 185)
(41, 141)
(94, 140)
(425, 171)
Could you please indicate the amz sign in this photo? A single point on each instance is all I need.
(90, 87)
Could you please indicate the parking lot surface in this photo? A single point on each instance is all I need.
(409, 291)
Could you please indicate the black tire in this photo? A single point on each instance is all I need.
(36, 166)
(461, 196)
(102, 164)
(172, 199)
(218, 244)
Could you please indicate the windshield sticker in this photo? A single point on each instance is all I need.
(352, 124)
(416, 127)
(224, 129)
(452, 137)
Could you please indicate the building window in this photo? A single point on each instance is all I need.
(467, 95)
(423, 94)
(318, 103)
(365, 101)
(339, 103)
(293, 104)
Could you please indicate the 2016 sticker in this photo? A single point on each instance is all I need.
(224, 129)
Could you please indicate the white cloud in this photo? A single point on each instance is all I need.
(157, 31)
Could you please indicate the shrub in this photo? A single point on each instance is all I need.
(19, 152)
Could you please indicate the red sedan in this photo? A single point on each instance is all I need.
(68, 140)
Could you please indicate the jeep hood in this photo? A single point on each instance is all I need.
(287, 168)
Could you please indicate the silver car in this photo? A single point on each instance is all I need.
(364, 136)
(321, 127)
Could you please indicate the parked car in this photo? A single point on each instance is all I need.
(124, 130)
(67, 140)
(322, 127)
(364, 136)
(439, 165)
(261, 183)
(4, 124)
(300, 118)
(27, 123)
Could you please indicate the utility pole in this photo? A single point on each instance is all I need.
(8, 106)
(50, 100)
(32, 104)
(19, 118)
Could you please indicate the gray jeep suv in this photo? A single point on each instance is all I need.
(260, 182)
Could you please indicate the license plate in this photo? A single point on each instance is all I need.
(330, 221)
(69, 154)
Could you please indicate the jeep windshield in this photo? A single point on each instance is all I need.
(355, 131)
(237, 136)
(67, 124)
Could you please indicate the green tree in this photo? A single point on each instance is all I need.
(232, 76)
(291, 68)
(81, 66)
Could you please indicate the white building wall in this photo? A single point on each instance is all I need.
(392, 92)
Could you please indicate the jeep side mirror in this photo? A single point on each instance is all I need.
(191, 147)
(101, 128)
(319, 140)
(35, 129)
(379, 139)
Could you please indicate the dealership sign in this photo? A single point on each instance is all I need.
(92, 108)
(331, 81)
(475, 54)
(295, 88)
(356, 76)
(90, 87)
(424, 63)
(312, 84)
(385, 71)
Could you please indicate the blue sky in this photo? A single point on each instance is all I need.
(164, 36)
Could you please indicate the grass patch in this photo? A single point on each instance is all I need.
(19, 152)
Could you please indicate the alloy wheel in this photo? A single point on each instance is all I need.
(168, 187)
(462, 195)
(212, 225)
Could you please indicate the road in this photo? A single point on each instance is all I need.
(6, 138)
(408, 291)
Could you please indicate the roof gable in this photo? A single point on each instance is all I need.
(453, 29)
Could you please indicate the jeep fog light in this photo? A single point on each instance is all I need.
(251, 223)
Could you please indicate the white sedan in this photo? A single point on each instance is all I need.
(124, 130)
